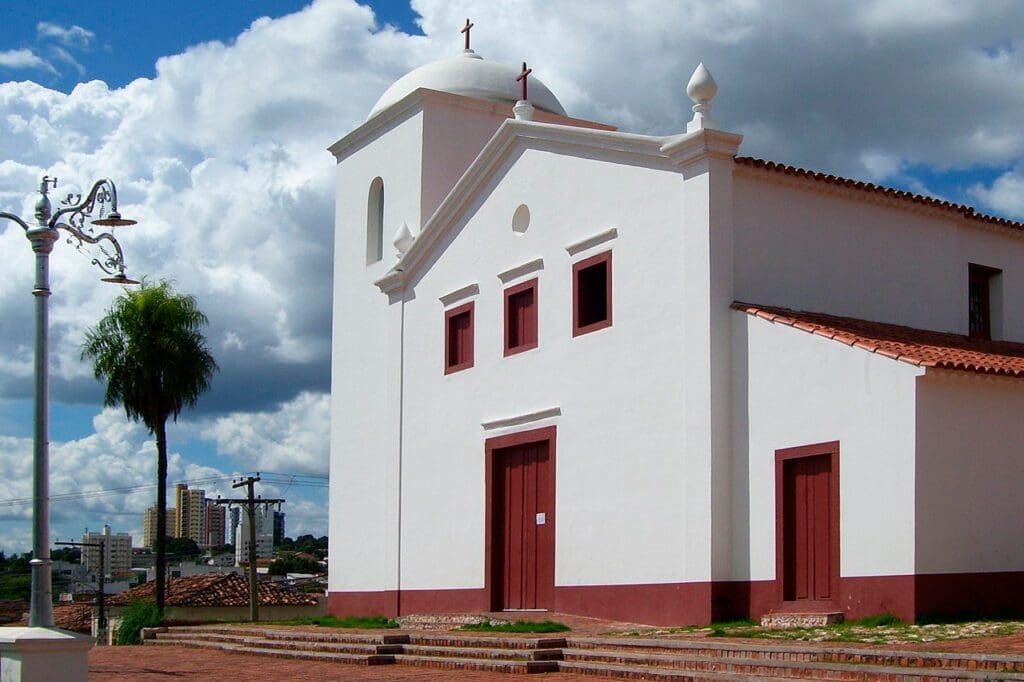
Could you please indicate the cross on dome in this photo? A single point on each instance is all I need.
(465, 29)
(522, 78)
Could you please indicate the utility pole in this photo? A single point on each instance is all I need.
(101, 620)
(250, 503)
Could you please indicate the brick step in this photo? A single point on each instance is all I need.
(485, 641)
(700, 665)
(725, 650)
(627, 672)
(385, 659)
(282, 643)
(480, 664)
(554, 654)
(339, 657)
(300, 635)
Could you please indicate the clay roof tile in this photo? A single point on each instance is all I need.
(921, 347)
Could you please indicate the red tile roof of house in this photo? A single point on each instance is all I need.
(214, 589)
(75, 617)
(967, 212)
(919, 347)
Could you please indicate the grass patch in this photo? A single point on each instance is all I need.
(518, 626)
(878, 621)
(352, 622)
(136, 616)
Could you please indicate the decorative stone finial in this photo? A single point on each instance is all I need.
(523, 110)
(403, 239)
(701, 89)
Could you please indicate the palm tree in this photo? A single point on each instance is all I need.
(153, 356)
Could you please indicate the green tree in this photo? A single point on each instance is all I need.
(183, 548)
(150, 349)
(291, 563)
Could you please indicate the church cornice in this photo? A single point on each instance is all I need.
(664, 153)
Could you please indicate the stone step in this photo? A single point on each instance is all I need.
(443, 621)
(802, 619)
(796, 652)
(479, 664)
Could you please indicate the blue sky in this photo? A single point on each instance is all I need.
(129, 37)
(214, 123)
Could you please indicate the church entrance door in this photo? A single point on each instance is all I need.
(808, 523)
(522, 533)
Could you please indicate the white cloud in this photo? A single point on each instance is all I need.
(221, 155)
(293, 438)
(108, 476)
(72, 36)
(1005, 195)
(63, 55)
(25, 59)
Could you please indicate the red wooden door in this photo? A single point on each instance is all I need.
(524, 538)
(807, 528)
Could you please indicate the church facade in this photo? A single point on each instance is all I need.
(650, 379)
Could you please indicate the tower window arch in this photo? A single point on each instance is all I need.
(375, 222)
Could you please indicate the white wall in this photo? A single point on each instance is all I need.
(970, 469)
(801, 246)
(794, 388)
(624, 480)
(365, 371)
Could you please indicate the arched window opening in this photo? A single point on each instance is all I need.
(375, 222)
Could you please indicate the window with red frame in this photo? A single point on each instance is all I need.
(979, 300)
(592, 294)
(521, 317)
(458, 338)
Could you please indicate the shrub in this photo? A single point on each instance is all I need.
(136, 616)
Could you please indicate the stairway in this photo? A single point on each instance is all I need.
(622, 658)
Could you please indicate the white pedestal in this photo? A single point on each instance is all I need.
(43, 654)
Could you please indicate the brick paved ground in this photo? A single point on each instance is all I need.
(151, 663)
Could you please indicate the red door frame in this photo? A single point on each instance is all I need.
(546, 567)
(831, 449)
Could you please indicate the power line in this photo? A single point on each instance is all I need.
(299, 480)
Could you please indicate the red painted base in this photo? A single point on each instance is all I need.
(909, 597)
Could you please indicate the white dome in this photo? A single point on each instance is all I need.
(468, 74)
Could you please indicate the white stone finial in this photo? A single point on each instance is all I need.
(403, 239)
(523, 110)
(701, 89)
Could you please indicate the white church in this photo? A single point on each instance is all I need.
(647, 378)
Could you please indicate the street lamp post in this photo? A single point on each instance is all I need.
(72, 219)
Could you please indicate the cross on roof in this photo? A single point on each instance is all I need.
(465, 29)
(522, 77)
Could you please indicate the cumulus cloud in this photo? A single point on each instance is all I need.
(221, 155)
(291, 438)
(72, 36)
(109, 476)
(25, 59)
(1005, 195)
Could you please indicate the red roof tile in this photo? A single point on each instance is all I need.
(919, 347)
(214, 589)
(967, 212)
